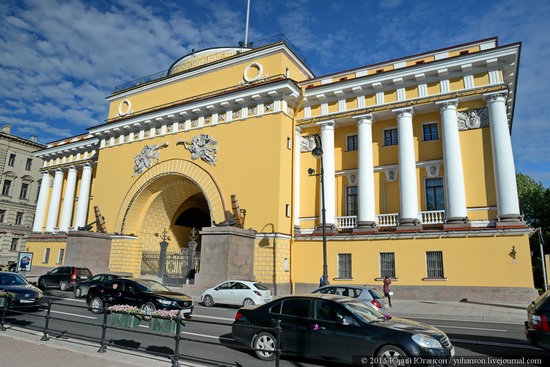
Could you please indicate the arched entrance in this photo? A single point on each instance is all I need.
(173, 196)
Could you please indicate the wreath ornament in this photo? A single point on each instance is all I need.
(255, 65)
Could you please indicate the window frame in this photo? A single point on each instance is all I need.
(430, 136)
(28, 164)
(434, 265)
(6, 187)
(386, 270)
(19, 218)
(345, 261)
(354, 203)
(46, 257)
(393, 139)
(11, 159)
(434, 188)
(352, 143)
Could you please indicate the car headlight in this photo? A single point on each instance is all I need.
(426, 341)
(165, 302)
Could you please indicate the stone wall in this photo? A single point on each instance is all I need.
(88, 249)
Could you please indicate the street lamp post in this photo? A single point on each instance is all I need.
(317, 152)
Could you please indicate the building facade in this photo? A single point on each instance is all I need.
(20, 182)
(417, 170)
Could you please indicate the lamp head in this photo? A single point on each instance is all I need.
(311, 171)
(317, 152)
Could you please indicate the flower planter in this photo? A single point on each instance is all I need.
(3, 302)
(124, 320)
(165, 325)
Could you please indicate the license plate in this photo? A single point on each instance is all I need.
(185, 311)
(26, 301)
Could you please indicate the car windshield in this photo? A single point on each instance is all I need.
(12, 279)
(151, 286)
(364, 312)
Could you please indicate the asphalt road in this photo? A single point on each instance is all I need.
(207, 337)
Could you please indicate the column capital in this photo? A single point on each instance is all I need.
(495, 96)
(326, 123)
(403, 111)
(367, 118)
(449, 103)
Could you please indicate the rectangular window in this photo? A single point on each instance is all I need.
(390, 137)
(60, 256)
(352, 202)
(431, 132)
(46, 258)
(435, 194)
(19, 218)
(24, 190)
(352, 143)
(387, 264)
(11, 160)
(14, 244)
(344, 266)
(6, 188)
(28, 165)
(2, 216)
(434, 263)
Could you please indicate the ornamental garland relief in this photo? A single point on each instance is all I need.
(308, 143)
(253, 73)
(473, 119)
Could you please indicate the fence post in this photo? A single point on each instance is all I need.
(103, 347)
(45, 337)
(176, 356)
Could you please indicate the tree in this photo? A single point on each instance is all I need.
(534, 202)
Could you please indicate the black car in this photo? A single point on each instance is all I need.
(338, 329)
(64, 277)
(81, 288)
(149, 295)
(27, 296)
(537, 326)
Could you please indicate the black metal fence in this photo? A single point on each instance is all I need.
(109, 322)
(177, 268)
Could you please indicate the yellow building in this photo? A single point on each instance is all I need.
(417, 173)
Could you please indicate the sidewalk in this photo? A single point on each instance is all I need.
(22, 348)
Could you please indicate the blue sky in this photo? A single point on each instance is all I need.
(60, 59)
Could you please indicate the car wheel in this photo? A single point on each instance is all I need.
(264, 345)
(63, 285)
(248, 302)
(208, 301)
(390, 355)
(96, 305)
(77, 292)
(42, 283)
(148, 309)
(35, 309)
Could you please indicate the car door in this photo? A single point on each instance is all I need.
(295, 319)
(61, 273)
(113, 293)
(331, 338)
(131, 294)
(225, 293)
(240, 292)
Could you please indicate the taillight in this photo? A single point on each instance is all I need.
(376, 303)
(73, 275)
(258, 293)
(540, 322)
(238, 315)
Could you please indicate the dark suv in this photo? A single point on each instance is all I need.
(537, 326)
(64, 277)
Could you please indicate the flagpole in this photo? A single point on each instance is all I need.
(246, 32)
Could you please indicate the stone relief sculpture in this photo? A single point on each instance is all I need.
(144, 160)
(202, 146)
(473, 119)
(308, 143)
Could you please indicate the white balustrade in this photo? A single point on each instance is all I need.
(387, 220)
(346, 222)
(433, 217)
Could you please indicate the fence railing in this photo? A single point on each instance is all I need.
(109, 322)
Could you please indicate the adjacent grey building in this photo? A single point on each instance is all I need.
(19, 184)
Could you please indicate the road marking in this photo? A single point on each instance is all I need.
(73, 314)
(494, 344)
(470, 328)
(196, 334)
(215, 317)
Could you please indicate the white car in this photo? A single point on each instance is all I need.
(237, 292)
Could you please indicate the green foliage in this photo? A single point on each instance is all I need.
(534, 202)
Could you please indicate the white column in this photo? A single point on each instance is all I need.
(327, 144)
(68, 200)
(53, 211)
(297, 165)
(452, 156)
(408, 187)
(503, 159)
(365, 188)
(83, 197)
(41, 202)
